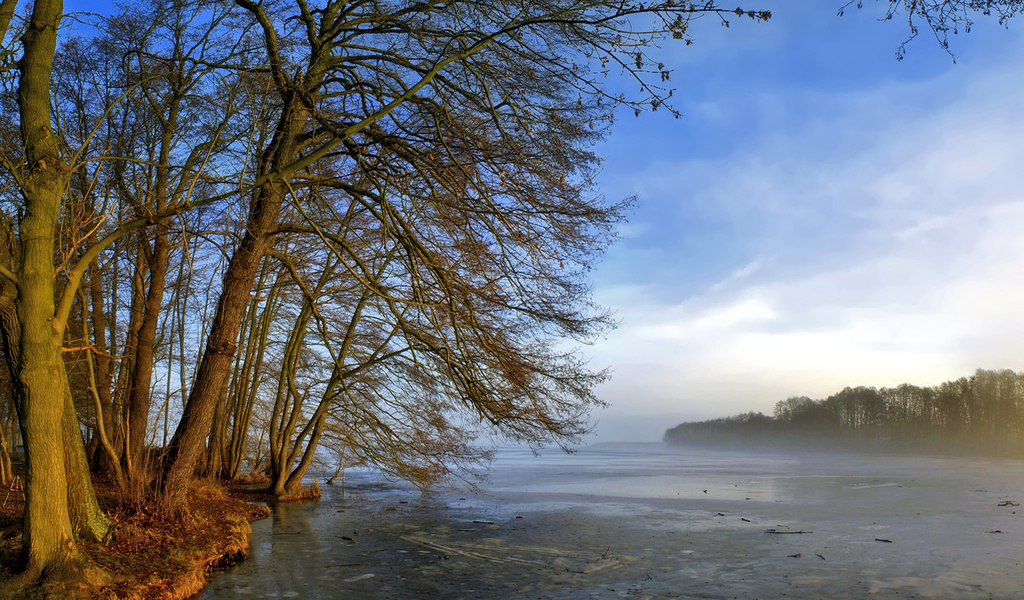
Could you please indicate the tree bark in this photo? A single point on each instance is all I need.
(98, 316)
(49, 551)
(139, 394)
(48, 542)
(294, 482)
(185, 450)
(87, 519)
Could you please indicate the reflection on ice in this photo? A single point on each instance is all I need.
(653, 522)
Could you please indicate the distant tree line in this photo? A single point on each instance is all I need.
(983, 412)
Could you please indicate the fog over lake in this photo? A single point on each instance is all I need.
(651, 521)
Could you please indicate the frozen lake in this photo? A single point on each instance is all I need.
(650, 521)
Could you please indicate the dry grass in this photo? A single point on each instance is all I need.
(152, 556)
(310, 492)
(251, 479)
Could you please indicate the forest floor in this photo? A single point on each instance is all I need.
(151, 555)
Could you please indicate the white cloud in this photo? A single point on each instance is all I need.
(918, 277)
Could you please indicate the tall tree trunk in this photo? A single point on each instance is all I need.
(106, 452)
(87, 519)
(186, 447)
(287, 404)
(10, 328)
(48, 542)
(215, 448)
(127, 367)
(48, 550)
(139, 394)
(98, 317)
(283, 449)
(294, 481)
(249, 383)
(98, 359)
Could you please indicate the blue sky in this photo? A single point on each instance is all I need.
(823, 215)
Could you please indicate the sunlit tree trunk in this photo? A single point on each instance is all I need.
(185, 450)
(48, 542)
(186, 447)
(98, 317)
(49, 549)
(140, 391)
(87, 518)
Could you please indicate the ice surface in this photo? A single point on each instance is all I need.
(648, 521)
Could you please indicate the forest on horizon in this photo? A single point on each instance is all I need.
(982, 413)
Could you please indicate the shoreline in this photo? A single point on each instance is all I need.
(223, 524)
(152, 557)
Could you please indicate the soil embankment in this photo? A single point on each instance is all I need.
(152, 556)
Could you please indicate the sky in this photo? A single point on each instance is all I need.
(823, 215)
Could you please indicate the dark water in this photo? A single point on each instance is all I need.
(646, 521)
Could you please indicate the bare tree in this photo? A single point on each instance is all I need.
(474, 97)
(943, 17)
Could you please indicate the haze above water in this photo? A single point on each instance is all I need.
(649, 521)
